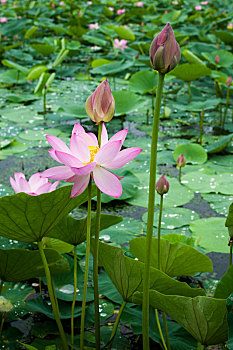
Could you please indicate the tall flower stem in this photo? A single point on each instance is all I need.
(52, 296)
(226, 108)
(159, 267)
(109, 345)
(160, 330)
(1, 285)
(150, 220)
(95, 259)
(74, 295)
(179, 174)
(159, 231)
(2, 322)
(230, 256)
(88, 243)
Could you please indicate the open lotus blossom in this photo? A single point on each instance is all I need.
(35, 186)
(120, 44)
(3, 19)
(84, 158)
(230, 26)
(121, 11)
(198, 8)
(139, 4)
(94, 26)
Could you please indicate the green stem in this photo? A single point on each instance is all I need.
(201, 124)
(88, 243)
(160, 330)
(159, 230)
(52, 297)
(150, 220)
(1, 285)
(189, 92)
(227, 103)
(230, 256)
(40, 286)
(95, 259)
(109, 344)
(44, 104)
(74, 295)
(2, 322)
(166, 331)
(179, 174)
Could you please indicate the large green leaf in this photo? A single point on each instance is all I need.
(127, 275)
(211, 234)
(225, 285)
(177, 259)
(230, 321)
(73, 231)
(204, 318)
(126, 101)
(29, 218)
(190, 71)
(220, 145)
(193, 153)
(143, 81)
(125, 33)
(20, 264)
(14, 65)
(112, 68)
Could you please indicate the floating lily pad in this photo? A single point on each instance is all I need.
(211, 234)
(126, 101)
(193, 153)
(220, 145)
(173, 217)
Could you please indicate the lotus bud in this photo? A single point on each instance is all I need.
(181, 161)
(162, 186)
(229, 81)
(217, 59)
(164, 51)
(100, 106)
(230, 231)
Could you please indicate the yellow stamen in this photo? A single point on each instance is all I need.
(93, 151)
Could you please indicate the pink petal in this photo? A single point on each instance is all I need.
(58, 173)
(108, 152)
(104, 135)
(24, 185)
(80, 185)
(53, 155)
(107, 182)
(36, 180)
(54, 186)
(45, 188)
(68, 159)
(80, 149)
(57, 143)
(19, 176)
(120, 135)
(123, 158)
(94, 139)
(14, 185)
(85, 170)
(77, 129)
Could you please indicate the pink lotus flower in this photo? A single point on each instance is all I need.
(120, 44)
(204, 2)
(3, 2)
(229, 81)
(19, 17)
(53, 5)
(162, 186)
(111, 8)
(84, 158)
(198, 8)
(61, 3)
(139, 4)
(3, 20)
(230, 26)
(217, 59)
(181, 161)
(121, 11)
(94, 26)
(35, 186)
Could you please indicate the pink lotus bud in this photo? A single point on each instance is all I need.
(164, 51)
(229, 81)
(217, 59)
(100, 106)
(162, 186)
(180, 161)
(3, 20)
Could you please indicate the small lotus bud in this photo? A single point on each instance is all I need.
(164, 51)
(100, 106)
(217, 59)
(181, 161)
(162, 185)
(229, 81)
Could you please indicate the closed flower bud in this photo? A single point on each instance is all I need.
(230, 231)
(217, 59)
(164, 51)
(229, 81)
(181, 161)
(100, 106)
(162, 185)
